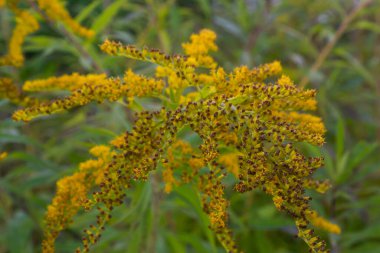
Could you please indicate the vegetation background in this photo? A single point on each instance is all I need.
(333, 46)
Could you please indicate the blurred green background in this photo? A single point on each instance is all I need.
(250, 32)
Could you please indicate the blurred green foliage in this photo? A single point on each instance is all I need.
(249, 32)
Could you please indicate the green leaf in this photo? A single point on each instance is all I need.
(205, 6)
(341, 168)
(19, 233)
(87, 10)
(329, 164)
(174, 243)
(371, 232)
(17, 138)
(264, 244)
(366, 25)
(104, 19)
(351, 159)
(357, 66)
(192, 198)
(360, 152)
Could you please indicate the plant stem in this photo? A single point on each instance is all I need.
(330, 45)
(156, 200)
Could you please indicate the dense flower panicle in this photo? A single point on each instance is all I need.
(25, 24)
(248, 121)
(71, 193)
(66, 82)
(144, 158)
(55, 10)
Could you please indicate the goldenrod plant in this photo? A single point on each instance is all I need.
(225, 131)
(192, 147)
(249, 121)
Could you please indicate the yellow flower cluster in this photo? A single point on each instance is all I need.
(55, 10)
(149, 55)
(71, 191)
(71, 195)
(137, 85)
(25, 24)
(199, 47)
(86, 89)
(197, 54)
(66, 82)
(108, 89)
(257, 115)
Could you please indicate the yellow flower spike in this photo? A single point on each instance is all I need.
(245, 75)
(308, 127)
(66, 82)
(324, 224)
(137, 85)
(55, 10)
(108, 89)
(72, 192)
(285, 80)
(149, 55)
(25, 24)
